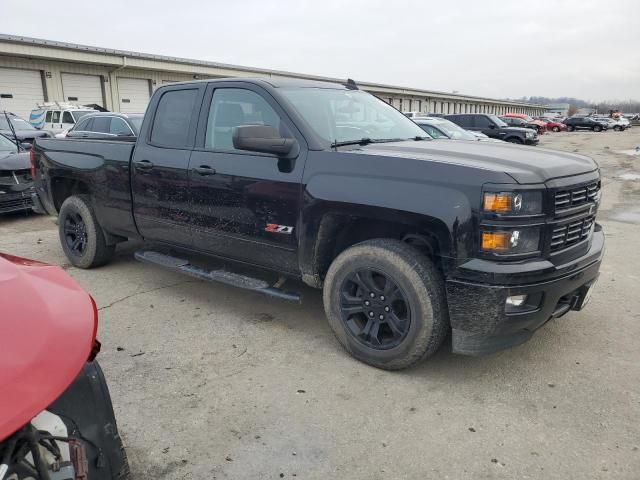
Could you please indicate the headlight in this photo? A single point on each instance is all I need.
(530, 134)
(513, 203)
(511, 241)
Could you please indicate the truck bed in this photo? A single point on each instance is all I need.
(104, 165)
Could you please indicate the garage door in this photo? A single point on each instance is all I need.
(134, 94)
(20, 90)
(82, 89)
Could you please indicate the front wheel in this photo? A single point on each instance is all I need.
(597, 128)
(556, 129)
(81, 236)
(515, 140)
(571, 128)
(386, 303)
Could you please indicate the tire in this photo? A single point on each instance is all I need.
(597, 128)
(571, 128)
(419, 285)
(617, 128)
(125, 471)
(556, 129)
(517, 140)
(81, 236)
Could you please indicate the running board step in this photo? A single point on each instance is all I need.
(220, 276)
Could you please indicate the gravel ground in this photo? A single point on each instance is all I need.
(213, 382)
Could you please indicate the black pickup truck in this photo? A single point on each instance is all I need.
(410, 238)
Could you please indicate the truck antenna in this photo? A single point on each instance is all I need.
(351, 85)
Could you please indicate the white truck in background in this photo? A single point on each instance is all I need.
(58, 117)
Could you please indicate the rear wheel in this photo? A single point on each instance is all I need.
(81, 236)
(386, 304)
(597, 128)
(617, 128)
(571, 128)
(556, 129)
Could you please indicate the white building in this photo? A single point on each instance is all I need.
(35, 70)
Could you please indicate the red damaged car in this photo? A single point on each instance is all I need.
(56, 417)
(540, 125)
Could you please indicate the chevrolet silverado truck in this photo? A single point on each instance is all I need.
(410, 238)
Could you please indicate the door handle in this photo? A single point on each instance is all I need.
(204, 170)
(143, 165)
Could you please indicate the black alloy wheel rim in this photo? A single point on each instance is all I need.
(374, 309)
(75, 234)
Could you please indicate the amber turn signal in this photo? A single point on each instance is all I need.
(497, 202)
(495, 241)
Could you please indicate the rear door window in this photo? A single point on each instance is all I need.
(481, 121)
(55, 117)
(84, 126)
(173, 118)
(48, 117)
(101, 124)
(461, 120)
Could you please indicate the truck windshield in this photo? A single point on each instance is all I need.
(349, 115)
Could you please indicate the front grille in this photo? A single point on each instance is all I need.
(577, 196)
(564, 236)
(15, 201)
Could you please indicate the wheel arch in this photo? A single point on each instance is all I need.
(63, 187)
(335, 229)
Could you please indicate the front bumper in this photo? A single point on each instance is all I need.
(479, 320)
(38, 207)
(532, 141)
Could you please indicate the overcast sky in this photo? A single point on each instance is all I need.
(496, 48)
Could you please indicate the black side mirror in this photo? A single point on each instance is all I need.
(492, 126)
(263, 139)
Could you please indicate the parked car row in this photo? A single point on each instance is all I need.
(496, 126)
(16, 183)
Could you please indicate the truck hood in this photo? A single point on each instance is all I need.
(523, 164)
(22, 134)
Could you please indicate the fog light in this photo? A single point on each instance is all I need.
(516, 300)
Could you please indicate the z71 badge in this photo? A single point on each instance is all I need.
(275, 228)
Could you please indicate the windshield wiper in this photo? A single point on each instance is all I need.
(367, 141)
(362, 141)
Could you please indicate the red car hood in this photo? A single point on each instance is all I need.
(47, 332)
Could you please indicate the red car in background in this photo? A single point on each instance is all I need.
(555, 125)
(540, 125)
(56, 417)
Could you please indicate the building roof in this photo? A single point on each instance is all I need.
(203, 63)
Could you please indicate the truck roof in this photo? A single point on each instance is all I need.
(273, 82)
